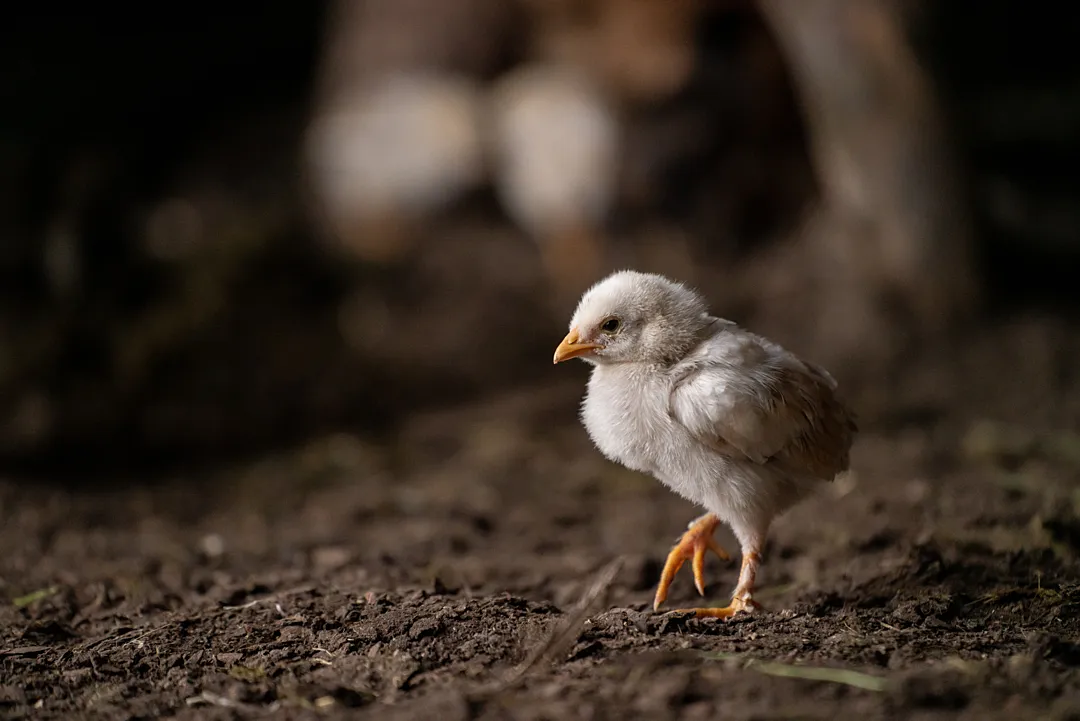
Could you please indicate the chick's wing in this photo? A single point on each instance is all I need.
(747, 398)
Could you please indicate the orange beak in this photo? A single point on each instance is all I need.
(570, 348)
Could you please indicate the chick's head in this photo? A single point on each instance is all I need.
(633, 317)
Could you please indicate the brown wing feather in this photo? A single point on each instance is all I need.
(785, 413)
(823, 426)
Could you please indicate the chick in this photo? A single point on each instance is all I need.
(725, 418)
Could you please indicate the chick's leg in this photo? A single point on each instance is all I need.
(751, 533)
(743, 598)
(693, 546)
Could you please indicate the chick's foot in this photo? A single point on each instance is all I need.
(742, 600)
(693, 546)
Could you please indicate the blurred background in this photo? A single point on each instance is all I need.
(228, 229)
(280, 285)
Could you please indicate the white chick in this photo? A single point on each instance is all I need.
(725, 418)
(555, 159)
(394, 154)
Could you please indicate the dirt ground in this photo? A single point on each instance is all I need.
(466, 572)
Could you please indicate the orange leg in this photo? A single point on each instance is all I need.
(693, 545)
(743, 598)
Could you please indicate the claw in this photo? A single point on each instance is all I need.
(699, 568)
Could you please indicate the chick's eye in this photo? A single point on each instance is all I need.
(610, 325)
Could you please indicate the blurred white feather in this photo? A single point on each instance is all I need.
(556, 143)
(394, 155)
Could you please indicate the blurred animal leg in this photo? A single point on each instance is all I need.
(573, 258)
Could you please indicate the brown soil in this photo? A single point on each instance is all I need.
(441, 578)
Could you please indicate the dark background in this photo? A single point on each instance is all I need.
(109, 113)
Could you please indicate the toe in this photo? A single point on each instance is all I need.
(725, 612)
(736, 606)
(715, 548)
(699, 568)
(674, 562)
